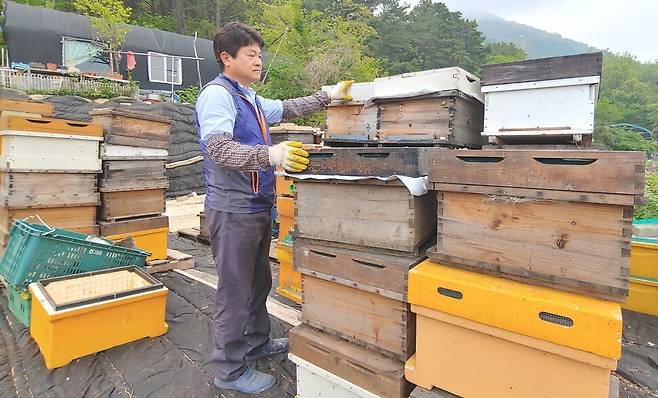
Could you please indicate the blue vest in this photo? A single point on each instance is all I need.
(236, 191)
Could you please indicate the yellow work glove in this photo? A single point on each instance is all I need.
(289, 155)
(338, 92)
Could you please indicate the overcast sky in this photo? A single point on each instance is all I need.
(620, 26)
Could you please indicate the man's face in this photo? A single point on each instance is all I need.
(247, 65)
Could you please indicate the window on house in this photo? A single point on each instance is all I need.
(86, 56)
(165, 68)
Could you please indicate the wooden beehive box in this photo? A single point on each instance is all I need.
(136, 225)
(37, 190)
(381, 215)
(351, 122)
(26, 107)
(373, 371)
(128, 204)
(120, 175)
(131, 128)
(376, 273)
(539, 216)
(449, 117)
(80, 219)
(368, 319)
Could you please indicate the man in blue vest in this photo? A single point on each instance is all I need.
(239, 168)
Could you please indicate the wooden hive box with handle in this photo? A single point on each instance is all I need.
(131, 128)
(383, 216)
(557, 218)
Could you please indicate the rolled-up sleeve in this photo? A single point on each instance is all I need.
(216, 112)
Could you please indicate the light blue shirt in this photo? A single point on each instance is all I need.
(216, 111)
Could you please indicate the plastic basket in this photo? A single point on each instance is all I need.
(19, 303)
(37, 252)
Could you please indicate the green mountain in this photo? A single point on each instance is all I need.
(537, 43)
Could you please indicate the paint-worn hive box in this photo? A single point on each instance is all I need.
(448, 117)
(37, 190)
(380, 215)
(17, 107)
(127, 204)
(374, 372)
(368, 319)
(125, 175)
(544, 100)
(352, 120)
(131, 128)
(286, 208)
(49, 145)
(149, 233)
(382, 274)
(313, 381)
(70, 315)
(539, 216)
(81, 219)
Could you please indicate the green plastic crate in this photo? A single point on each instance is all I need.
(19, 303)
(36, 252)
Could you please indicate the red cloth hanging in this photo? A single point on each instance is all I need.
(130, 60)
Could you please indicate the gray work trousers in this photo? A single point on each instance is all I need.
(240, 246)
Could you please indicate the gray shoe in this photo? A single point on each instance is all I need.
(251, 382)
(272, 347)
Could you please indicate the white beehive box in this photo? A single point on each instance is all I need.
(314, 382)
(549, 100)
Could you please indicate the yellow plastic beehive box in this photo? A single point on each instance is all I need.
(560, 317)
(79, 315)
(471, 359)
(290, 281)
(642, 296)
(153, 241)
(644, 260)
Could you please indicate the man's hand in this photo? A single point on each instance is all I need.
(289, 155)
(338, 92)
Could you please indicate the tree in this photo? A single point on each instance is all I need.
(498, 53)
(110, 18)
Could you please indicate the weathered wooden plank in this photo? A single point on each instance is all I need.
(133, 174)
(127, 204)
(377, 273)
(37, 190)
(353, 121)
(128, 226)
(364, 161)
(373, 371)
(570, 66)
(568, 245)
(175, 260)
(204, 232)
(616, 172)
(367, 215)
(370, 320)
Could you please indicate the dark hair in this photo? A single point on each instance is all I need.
(232, 37)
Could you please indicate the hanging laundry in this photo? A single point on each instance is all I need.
(130, 60)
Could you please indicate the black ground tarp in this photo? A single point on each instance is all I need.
(176, 364)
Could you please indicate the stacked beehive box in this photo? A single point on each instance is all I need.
(435, 107)
(533, 245)
(290, 281)
(643, 279)
(48, 168)
(355, 243)
(542, 101)
(133, 183)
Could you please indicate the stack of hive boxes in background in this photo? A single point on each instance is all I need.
(355, 243)
(643, 279)
(532, 260)
(133, 183)
(434, 107)
(48, 168)
(290, 282)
